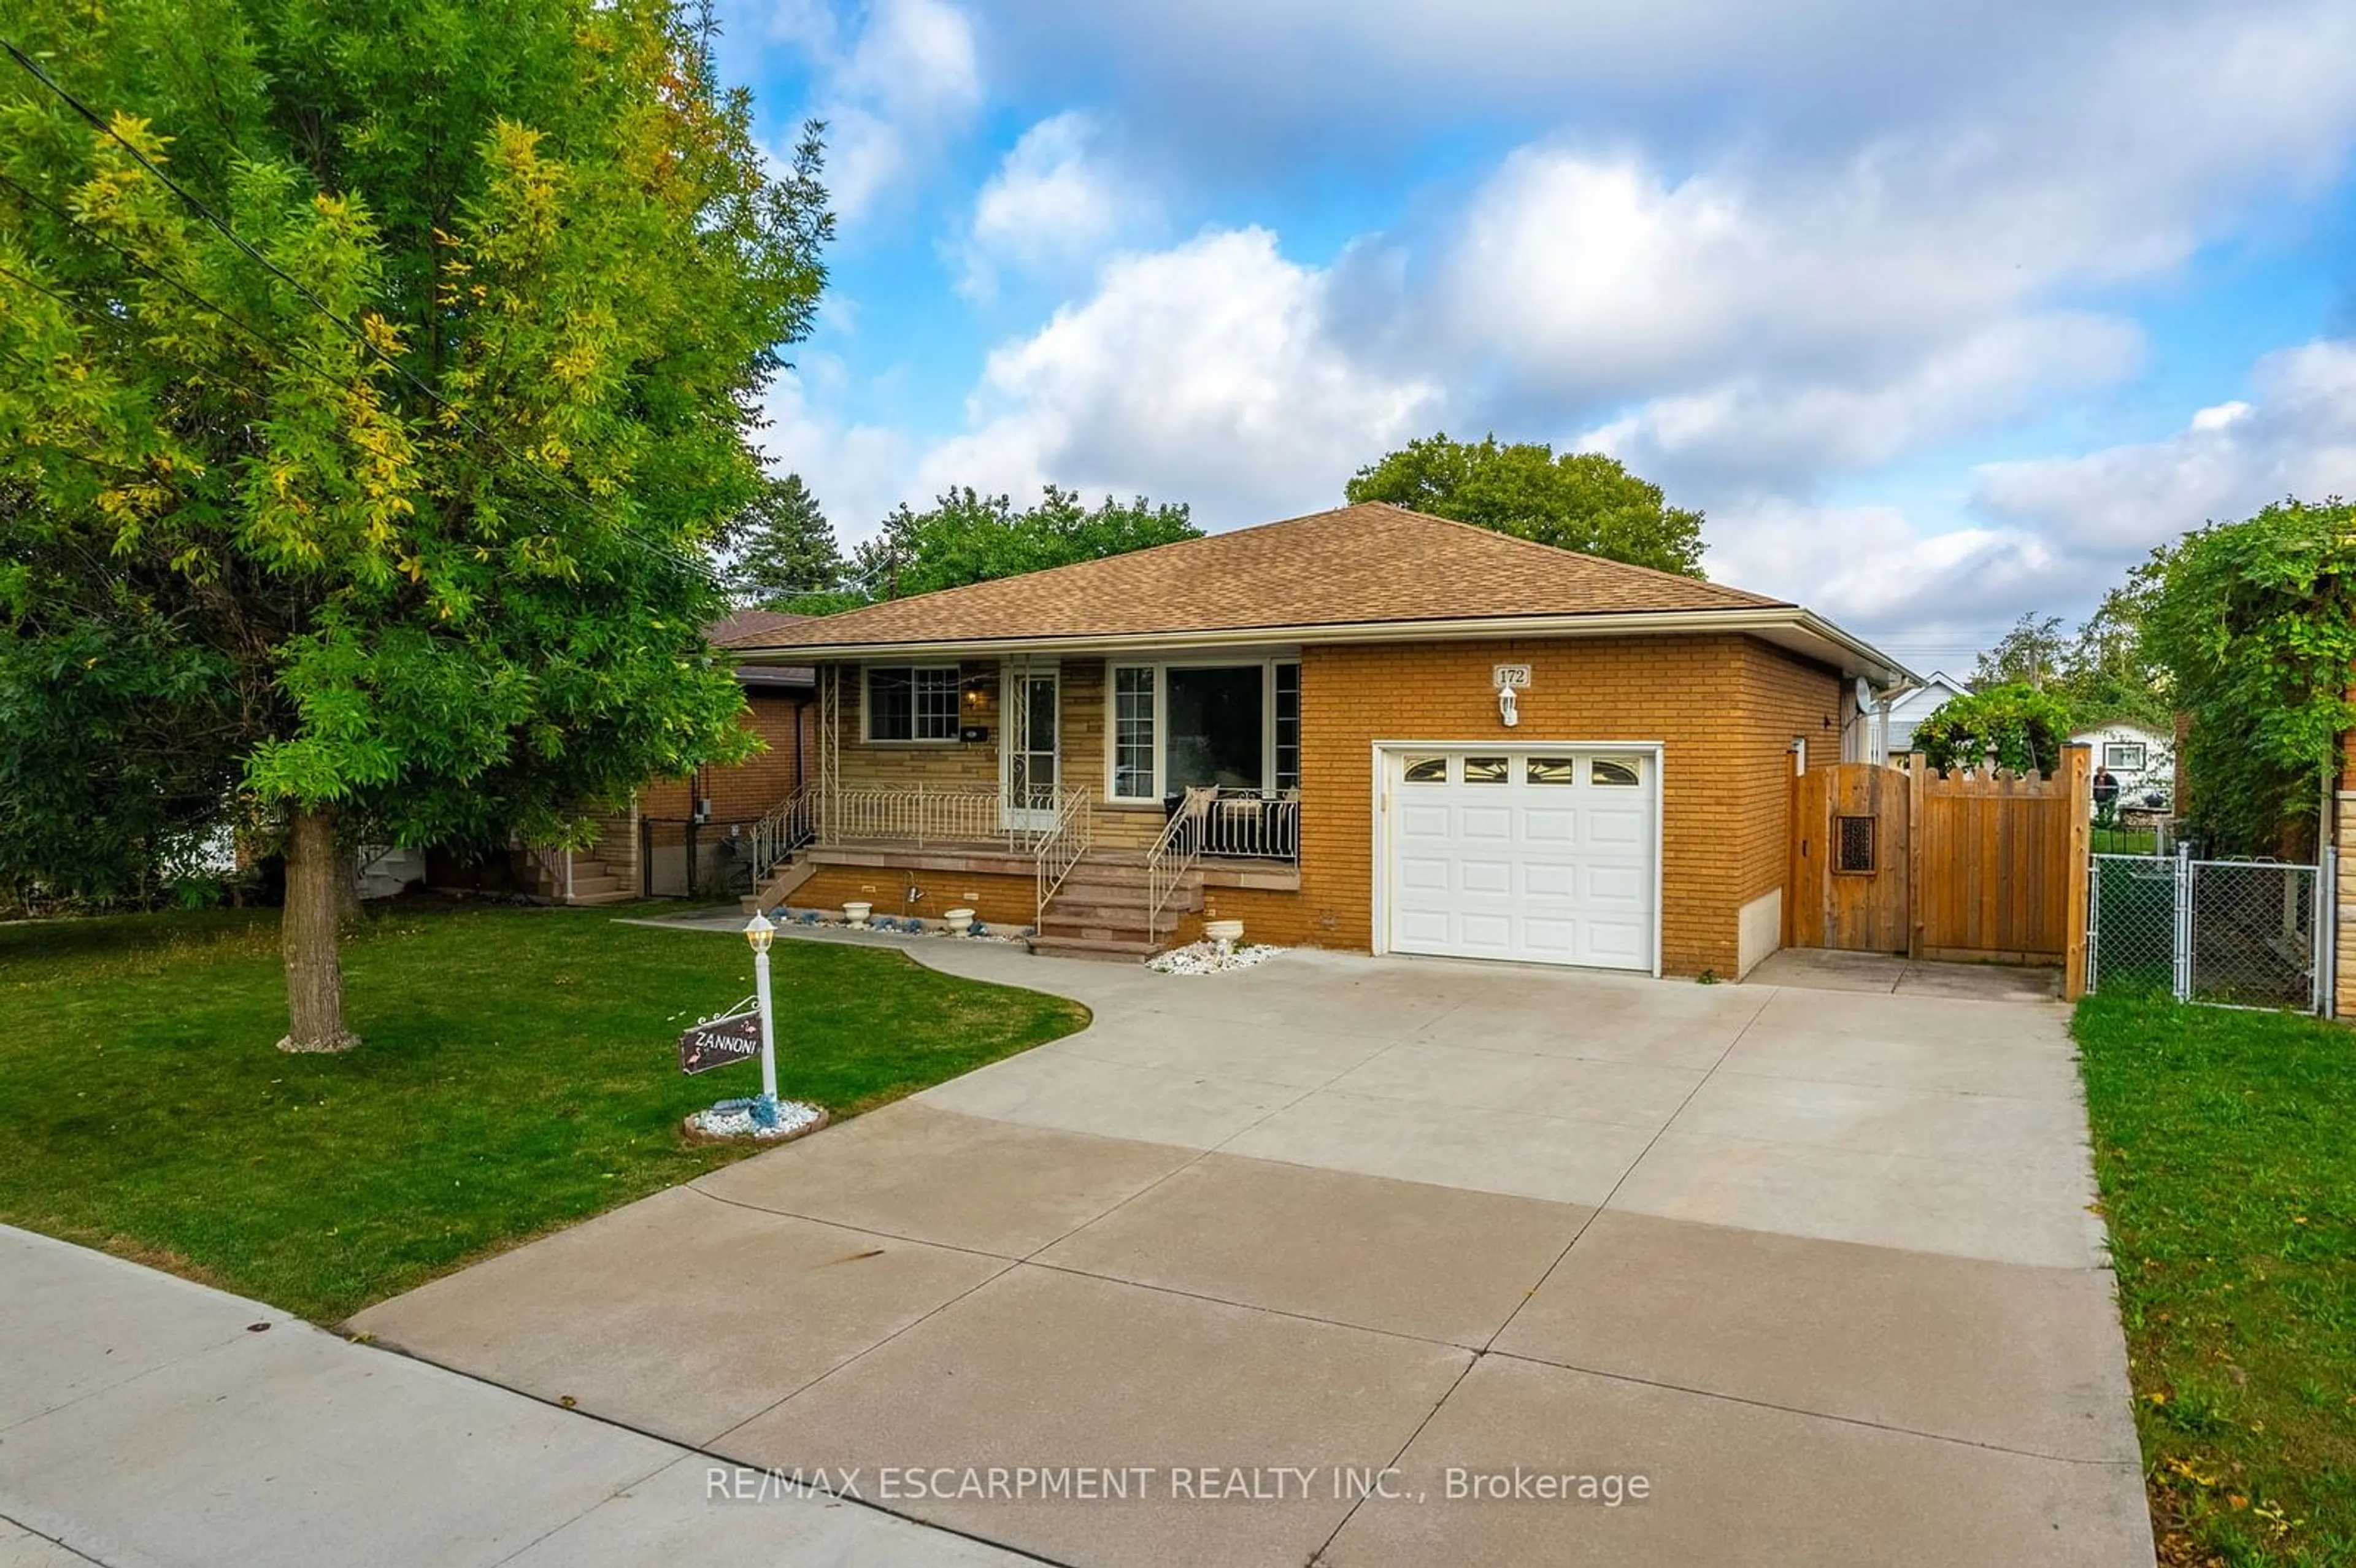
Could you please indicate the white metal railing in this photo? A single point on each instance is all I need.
(1176, 852)
(1223, 825)
(1248, 825)
(787, 827)
(925, 814)
(1062, 846)
(553, 862)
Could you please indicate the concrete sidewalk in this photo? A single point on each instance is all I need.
(148, 1421)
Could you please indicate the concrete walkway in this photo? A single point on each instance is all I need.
(1815, 1267)
(144, 1420)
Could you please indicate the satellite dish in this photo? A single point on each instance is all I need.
(1864, 695)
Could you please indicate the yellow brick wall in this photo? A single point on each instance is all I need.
(1725, 709)
(1782, 697)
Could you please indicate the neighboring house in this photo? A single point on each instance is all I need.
(1910, 709)
(703, 823)
(2141, 758)
(1365, 728)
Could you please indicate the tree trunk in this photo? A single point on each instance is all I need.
(315, 976)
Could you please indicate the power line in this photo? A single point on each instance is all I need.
(198, 205)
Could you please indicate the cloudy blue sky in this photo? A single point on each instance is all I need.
(1942, 312)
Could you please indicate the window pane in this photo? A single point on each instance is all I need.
(1288, 726)
(1856, 844)
(1215, 736)
(1427, 769)
(1486, 770)
(935, 705)
(1132, 733)
(1552, 771)
(890, 704)
(1612, 772)
(2126, 754)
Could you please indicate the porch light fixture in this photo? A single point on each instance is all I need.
(760, 932)
(1506, 710)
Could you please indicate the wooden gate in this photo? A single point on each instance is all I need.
(1988, 867)
(1851, 853)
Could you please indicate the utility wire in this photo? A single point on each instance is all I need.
(198, 205)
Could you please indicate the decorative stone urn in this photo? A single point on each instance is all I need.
(1225, 932)
(959, 921)
(856, 912)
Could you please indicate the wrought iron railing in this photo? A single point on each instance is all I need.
(553, 870)
(1248, 825)
(925, 814)
(789, 825)
(1223, 825)
(1063, 845)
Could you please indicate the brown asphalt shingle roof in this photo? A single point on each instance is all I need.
(1371, 562)
(756, 628)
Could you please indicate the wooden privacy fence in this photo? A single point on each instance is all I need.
(1982, 866)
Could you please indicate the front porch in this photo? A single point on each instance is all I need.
(1111, 793)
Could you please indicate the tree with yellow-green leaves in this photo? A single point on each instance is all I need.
(373, 382)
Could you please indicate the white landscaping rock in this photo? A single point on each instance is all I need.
(1204, 958)
(795, 1117)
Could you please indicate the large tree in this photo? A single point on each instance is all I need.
(2032, 653)
(1578, 500)
(782, 549)
(368, 473)
(966, 537)
(2255, 623)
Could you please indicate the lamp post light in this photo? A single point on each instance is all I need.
(760, 934)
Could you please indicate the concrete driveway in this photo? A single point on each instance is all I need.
(1370, 1261)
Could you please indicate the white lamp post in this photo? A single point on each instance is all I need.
(760, 934)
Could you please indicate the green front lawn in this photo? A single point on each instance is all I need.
(2225, 1142)
(519, 1072)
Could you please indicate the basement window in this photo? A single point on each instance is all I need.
(1855, 846)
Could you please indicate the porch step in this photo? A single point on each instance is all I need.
(587, 884)
(779, 887)
(1115, 949)
(1061, 911)
(609, 896)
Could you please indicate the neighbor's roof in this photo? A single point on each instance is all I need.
(756, 627)
(1367, 569)
(741, 627)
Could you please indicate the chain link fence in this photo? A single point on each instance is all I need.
(2251, 934)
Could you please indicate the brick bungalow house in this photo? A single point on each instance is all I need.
(1366, 728)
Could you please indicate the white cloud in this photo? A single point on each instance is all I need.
(1873, 568)
(892, 93)
(856, 471)
(1755, 430)
(1054, 203)
(1208, 373)
(2296, 436)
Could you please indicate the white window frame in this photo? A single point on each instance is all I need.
(2143, 754)
(867, 736)
(1266, 662)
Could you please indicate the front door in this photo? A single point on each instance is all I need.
(1030, 734)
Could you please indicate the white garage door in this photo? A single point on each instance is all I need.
(1545, 856)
